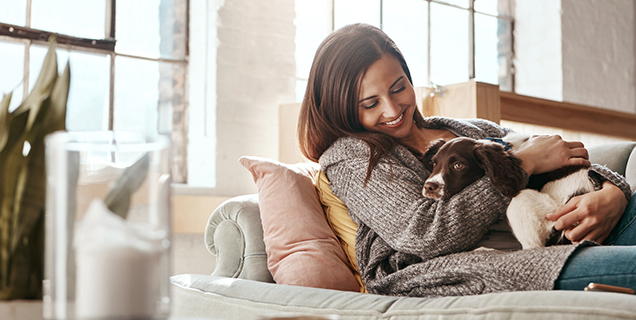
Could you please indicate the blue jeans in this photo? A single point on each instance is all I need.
(613, 264)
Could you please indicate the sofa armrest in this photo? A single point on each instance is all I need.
(234, 234)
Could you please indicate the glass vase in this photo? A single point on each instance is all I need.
(107, 220)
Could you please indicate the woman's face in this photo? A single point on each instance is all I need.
(387, 99)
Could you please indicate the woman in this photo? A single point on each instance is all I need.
(359, 120)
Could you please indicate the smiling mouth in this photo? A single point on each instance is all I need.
(396, 121)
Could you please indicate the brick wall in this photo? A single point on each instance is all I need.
(253, 73)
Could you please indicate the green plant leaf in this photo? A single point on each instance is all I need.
(31, 187)
(23, 179)
(8, 176)
(56, 117)
(42, 88)
(14, 173)
(5, 117)
(31, 181)
(118, 198)
(30, 191)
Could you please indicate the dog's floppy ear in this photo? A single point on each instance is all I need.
(502, 167)
(432, 150)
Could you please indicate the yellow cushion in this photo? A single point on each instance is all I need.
(340, 222)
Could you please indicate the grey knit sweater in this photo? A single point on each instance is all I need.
(409, 245)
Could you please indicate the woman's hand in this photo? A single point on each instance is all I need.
(544, 153)
(591, 216)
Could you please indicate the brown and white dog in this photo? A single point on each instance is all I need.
(461, 161)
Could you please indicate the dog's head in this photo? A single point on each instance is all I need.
(461, 161)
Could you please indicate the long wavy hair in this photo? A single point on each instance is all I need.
(330, 106)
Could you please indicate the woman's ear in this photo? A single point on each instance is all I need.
(502, 167)
(430, 152)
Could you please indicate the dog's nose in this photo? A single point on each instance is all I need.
(432, 189)
(431, 186)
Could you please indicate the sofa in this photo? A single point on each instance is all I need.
(242, 287)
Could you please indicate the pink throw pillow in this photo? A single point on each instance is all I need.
(301, 247)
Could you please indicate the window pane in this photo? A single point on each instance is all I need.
(313, 24)
(494, 7)
(461, 3)
(87, 107)
(12, 66)
(301, 87)
(64, 16)
(152, 28)
(486, 6)
(486, 56)
(136, 95)
(449, 44)
(352, 11)
(406, 22)
(13, 12)
(504, 54)
(88, 100)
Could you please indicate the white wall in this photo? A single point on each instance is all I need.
(581, 51)
(599, 53)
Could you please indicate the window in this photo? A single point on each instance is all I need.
(443, 41)
(128, 62)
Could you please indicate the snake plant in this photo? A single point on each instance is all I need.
(23, 180)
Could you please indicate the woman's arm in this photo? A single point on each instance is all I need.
(391, 204)
(592, 216)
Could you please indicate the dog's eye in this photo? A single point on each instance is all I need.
(458, 166)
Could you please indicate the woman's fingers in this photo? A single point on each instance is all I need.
(563, 210)
(591, 216)
(577, 150)
(578, 162)
(584, 231)
(571, 219)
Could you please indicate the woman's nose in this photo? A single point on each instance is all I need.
(391, 108)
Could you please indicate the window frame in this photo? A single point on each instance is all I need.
(106, 46)
(508, 17)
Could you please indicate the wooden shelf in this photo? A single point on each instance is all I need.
(474, 99)
(567, 116)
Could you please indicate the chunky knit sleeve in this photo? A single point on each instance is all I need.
(608, 175)
(392, 205)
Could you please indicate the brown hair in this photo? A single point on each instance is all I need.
(330, 107)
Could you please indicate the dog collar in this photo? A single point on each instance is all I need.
(506, 145)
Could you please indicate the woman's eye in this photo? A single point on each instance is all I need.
(370, 106)
(458, 166)
(400, 89)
